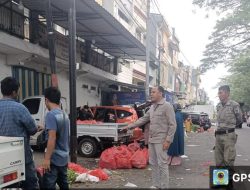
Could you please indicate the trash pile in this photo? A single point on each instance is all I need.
(117, 157)
(77, 173)
(81, 174)
(124, 157)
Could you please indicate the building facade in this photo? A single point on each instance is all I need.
(24, 54)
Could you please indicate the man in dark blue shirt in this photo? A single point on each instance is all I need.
(57, 152)
(16, 121)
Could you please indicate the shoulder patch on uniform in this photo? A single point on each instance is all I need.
(218, 106)
(234, 103)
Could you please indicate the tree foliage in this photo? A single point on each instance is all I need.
(239, 79)
(231, 35)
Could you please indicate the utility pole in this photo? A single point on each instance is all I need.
(159, 68)
(72, 79)
(161, 50)
(51, 43)
(147, 50)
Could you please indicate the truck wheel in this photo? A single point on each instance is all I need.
(87, 147)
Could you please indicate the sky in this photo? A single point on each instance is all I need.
(193, 29)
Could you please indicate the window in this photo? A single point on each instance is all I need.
(85, 86)
(138, 34)
(93, 88)
(140, 13)
(100, 114)
(123, 16)
(170, 75)
(195, 117)
(123, 114)
(32, 105)
(32, 83)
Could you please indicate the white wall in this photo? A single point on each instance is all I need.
(126, 75)
(83, 96)
(5, 70)
(140, 66)
(109, 6)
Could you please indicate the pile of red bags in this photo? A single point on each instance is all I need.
(77, 168)
(124, 157)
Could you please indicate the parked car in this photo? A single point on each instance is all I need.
(38, 110)
(91, 138)
(115, 114)
(119, 114)
(201, 119)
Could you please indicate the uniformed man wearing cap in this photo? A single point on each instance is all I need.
(228, 117)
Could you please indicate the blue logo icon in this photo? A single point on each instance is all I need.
(220, 177)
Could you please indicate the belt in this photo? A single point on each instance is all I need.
(222, 132)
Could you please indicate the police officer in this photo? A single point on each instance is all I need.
(228, 117)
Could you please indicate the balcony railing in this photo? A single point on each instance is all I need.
(13, 22)
(35, 31)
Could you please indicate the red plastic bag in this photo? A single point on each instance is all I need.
(107, 159)
(123, 161)
(99, 173)
(77, 168)
(133, 147)
(123, 149)
(137, 134)
(122, 157)
(138, 160)
(146, 155)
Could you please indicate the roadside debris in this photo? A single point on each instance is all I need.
(180, 178)
(77, 173)
(86, 178)
(193, 145)
(130, 185)
(107, 171)
(205, 164)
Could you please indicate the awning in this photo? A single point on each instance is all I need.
(94, 23)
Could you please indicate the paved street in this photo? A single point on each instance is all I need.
(193, 173)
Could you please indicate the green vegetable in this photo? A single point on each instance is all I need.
(71, 175)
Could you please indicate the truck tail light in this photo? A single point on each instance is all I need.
(10, 177)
